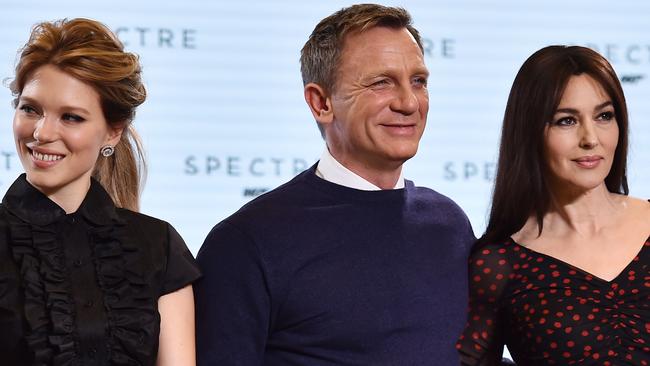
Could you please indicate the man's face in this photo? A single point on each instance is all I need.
(380, 101)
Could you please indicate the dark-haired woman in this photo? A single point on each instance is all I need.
(562, 274)
(84, 278)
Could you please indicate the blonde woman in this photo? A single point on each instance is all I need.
(84, 278)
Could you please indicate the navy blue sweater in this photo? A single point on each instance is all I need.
(314, 273)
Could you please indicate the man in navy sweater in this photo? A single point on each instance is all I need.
(348, 263)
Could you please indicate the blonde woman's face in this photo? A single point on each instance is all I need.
(59, 129)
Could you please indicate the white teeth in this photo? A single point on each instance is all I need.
(46, 157)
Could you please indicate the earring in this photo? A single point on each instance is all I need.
(107, 151)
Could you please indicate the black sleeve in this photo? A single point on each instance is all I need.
(181, 269)
(232, 300)
(482, 341)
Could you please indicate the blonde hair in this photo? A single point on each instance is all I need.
(89, 51)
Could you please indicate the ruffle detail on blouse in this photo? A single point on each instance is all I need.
(49, 310)
(133, 319)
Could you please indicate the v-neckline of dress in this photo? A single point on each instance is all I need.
(625, 269)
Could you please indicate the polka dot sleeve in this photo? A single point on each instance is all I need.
(482, 340)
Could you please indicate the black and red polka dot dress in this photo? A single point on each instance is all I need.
(549, 312)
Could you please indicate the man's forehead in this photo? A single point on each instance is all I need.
(381, 40)
(378, 32)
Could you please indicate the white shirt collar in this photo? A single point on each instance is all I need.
(331, 170)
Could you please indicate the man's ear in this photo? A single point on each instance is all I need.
(114, 134)
(319, 103)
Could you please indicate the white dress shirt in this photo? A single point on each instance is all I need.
(331, 170)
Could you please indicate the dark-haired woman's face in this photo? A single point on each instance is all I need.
(59, 129)
(581, 140)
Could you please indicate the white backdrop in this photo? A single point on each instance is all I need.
(225, 118)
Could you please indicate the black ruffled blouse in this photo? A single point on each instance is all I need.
(83, 288)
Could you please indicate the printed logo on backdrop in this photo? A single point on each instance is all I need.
(157, 37)
(253, 169)
(469, 171)
(626, 58)
(442, 48)
(9, 165)
(186, 38)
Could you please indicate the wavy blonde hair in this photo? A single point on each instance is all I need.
(89, 51)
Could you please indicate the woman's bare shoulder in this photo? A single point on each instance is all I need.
(638, 210)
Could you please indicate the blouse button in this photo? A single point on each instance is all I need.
(89, 304)
(77, 262)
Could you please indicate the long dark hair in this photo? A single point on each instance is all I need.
(521, 188)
